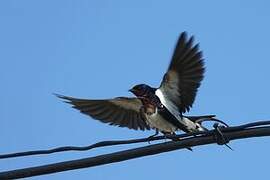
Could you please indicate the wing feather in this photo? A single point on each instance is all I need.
(121, 111)
(184, 75)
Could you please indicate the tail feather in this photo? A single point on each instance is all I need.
(200, 119)
(196, 118)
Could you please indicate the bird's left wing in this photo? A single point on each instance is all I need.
(120, 111)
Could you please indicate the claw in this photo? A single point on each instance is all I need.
(168, 136)
(150, 137)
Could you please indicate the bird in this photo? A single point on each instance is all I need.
(162, 108)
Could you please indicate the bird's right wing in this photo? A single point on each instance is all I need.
(120, 111)
(185, 73)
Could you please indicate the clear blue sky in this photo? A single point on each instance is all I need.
(99, 49)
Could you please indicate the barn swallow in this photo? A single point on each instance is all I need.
(159, 108)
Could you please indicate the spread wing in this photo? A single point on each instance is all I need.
(121, 111)
(185, 73)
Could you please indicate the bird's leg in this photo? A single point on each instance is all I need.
(220, 138)
(167, 135)
(150, 137)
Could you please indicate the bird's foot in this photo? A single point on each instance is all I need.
(150, 138)
(219, 136)
(172, 137)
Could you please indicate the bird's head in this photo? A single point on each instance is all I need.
(140, 90)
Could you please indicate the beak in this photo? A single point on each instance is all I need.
(131, 90)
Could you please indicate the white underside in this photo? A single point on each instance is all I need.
(157, 121)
